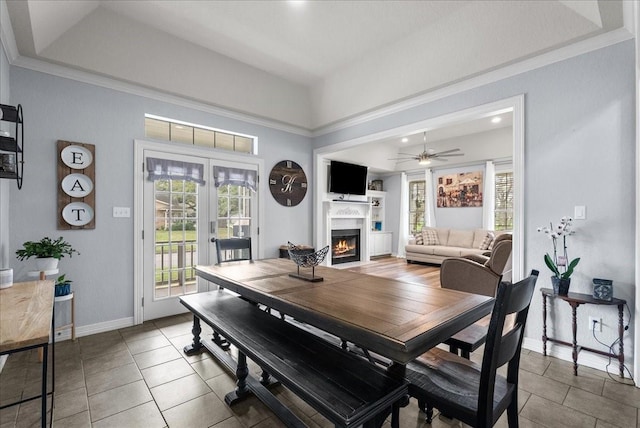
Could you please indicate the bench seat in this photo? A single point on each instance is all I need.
(344, 388)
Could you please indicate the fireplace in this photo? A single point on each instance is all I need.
(345, 246)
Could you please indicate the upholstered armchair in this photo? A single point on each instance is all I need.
(479, 274)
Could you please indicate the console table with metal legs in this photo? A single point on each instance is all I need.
(575, 300)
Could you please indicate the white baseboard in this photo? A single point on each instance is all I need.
(88, 330)
(585, 358)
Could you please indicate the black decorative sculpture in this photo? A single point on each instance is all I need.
(302, 258)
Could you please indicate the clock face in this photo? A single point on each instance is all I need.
(603, 291)
(288, 183)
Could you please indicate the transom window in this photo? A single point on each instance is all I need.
(160, 128)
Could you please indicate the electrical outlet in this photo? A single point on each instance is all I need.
(598, 322)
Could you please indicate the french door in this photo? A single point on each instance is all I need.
(184, 206)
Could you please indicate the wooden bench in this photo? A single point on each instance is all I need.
(344, 388)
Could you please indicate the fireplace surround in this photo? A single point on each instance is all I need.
(345, 246)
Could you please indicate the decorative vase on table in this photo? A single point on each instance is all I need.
(560, 285)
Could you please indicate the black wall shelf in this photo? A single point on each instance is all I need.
(12, 145)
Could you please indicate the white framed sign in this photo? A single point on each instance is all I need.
(76, 185)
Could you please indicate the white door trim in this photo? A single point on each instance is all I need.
(515, 104)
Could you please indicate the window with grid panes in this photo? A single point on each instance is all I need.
(165, 129)
(416, 206)
(503, 208)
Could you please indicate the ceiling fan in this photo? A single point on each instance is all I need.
(425, 157)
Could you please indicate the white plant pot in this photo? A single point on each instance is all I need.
(6, 278)
(46, 263)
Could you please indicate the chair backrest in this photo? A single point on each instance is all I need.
(504, 342)
(500, 258)
(232, 249)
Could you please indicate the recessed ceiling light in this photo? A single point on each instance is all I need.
(179, 127)
(405, 139)
(496, 119)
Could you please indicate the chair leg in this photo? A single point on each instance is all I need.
(512, 411)
(464, 353)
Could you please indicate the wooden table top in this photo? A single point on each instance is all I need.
(26, 310)
(581, 298)
(396, 319)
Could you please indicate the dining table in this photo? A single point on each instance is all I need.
(393, 318)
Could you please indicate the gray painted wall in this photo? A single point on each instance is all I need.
(579, 150)
(57, 108)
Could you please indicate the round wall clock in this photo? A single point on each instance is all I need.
(288, 183)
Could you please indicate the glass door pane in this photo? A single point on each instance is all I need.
(175, 238)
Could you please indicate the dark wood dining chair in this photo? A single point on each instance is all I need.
(232, 249)
(470, 392)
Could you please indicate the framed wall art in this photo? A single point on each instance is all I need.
(460, 190)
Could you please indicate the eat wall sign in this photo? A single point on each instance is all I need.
(76, 185)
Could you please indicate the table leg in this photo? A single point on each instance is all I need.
(242, 371)
(73, 318)
(574, 326)
(43, 408)
(196, 346)
(544, 325)
(621, 335)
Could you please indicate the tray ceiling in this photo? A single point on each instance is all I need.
(303, 63)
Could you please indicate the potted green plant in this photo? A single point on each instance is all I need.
(47, 251)
(560, 266)
(63, 286)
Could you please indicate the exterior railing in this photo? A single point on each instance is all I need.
(175, 263)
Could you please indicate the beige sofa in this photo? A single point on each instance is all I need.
(449, 243)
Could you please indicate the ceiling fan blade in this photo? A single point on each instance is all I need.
(447, 151)
(408, 154)
(449, 155)
(440, 159)
(402, 160)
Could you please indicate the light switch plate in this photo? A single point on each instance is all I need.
(121, 212)
(580, 212)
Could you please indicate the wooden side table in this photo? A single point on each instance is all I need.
(575, 300)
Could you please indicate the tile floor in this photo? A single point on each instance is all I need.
(139, 377)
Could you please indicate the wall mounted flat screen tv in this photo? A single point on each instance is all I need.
(347, 178)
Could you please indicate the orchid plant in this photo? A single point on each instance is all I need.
(559, 264)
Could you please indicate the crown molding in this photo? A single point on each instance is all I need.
(579, 48)
(134, 89)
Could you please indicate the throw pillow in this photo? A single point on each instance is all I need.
(486, 242)
(419, 239)
(430, 237)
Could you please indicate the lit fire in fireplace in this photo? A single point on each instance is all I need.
(342, 247)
